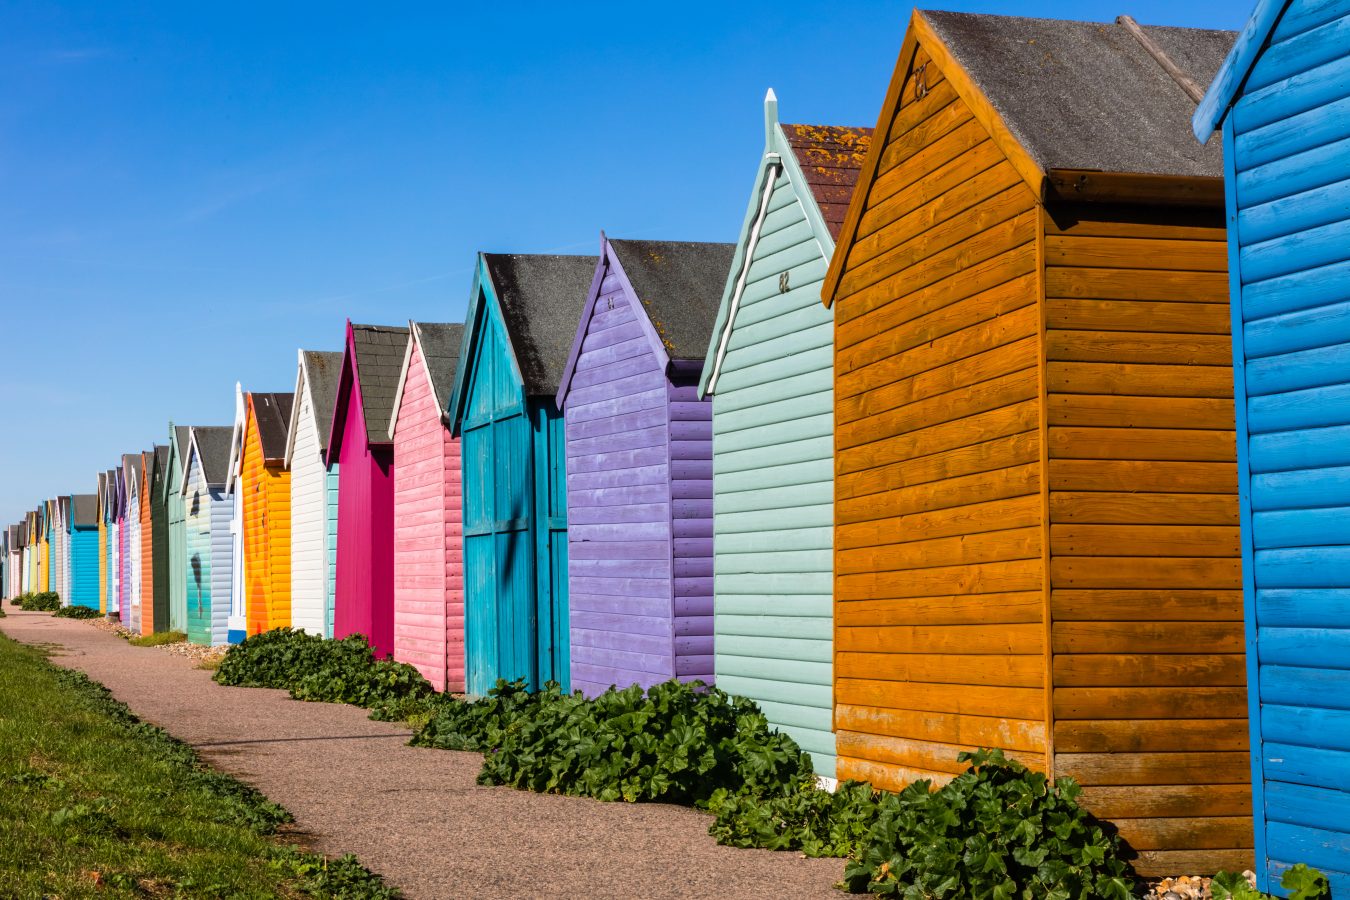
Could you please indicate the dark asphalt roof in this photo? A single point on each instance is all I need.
(85, 509)
(323, 368)
(680, 283)
(181, 432)
(541, 299)
(273, 413)
(162, 455)
(379, 360)
(213, 443)
(830, 157)
(1086, 95)
(132, 462)
(440, 347)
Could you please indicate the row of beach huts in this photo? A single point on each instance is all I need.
(947, 450)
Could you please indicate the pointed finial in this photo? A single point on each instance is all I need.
(770, 115)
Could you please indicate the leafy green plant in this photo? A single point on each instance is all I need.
(41, 601)
(802, 817)
(77, 612)
(314, 668)
(1302, 883)
(157, 639)
(998, 830)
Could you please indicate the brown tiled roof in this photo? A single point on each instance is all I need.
(830, 157)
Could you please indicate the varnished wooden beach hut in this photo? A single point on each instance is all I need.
(1282, 101)
(639, 466)
(314, 491)
(1036, 542)
(522, 317)
(770, 378)
(428, 535)
(358, 442)
(258, 456)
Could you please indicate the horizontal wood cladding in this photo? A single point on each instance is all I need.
(308, 522)
(1148, 677)
(939, 639)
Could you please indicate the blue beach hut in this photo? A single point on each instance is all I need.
(1282, 101)
(522, 317)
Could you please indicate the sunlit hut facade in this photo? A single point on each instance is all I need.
(639, 466)
(102, 512)
(1281, 100)
(175, 518)
(1035, 495)
(258, 455)
(428, 507)
(155, 614)
(770, 377)
(314, 491)
(134, 474)
(84, 551)
(522, 317)
(209, 534)
(358, 442)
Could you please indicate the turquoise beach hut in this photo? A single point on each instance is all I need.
(1282, 102)
(522, 317)
(209, 542)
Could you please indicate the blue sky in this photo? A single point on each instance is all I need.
(188, 194)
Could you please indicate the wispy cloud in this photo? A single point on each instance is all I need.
(78, 54)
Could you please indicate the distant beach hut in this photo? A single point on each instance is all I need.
(314, 491)
(209, 542)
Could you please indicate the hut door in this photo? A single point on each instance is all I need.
(500, 626)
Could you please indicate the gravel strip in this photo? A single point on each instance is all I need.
(416, 815)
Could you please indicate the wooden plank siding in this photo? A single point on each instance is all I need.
(207, 610)
(1036, 520)
(939, 638)
(691, 511)
(619, 503)
(147, 536)
(428, 540)
(1141, 703)
(1287, 146)
(309, 520)
(176, 513)
(266, 490)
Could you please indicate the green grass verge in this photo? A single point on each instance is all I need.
(94, 802)
(158, 639)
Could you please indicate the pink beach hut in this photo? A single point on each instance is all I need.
(429, 537)
(358, 442)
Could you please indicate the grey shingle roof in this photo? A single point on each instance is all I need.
(379, 360)
(213, 443)
(1086, 95)
(131, 462)
(440, 346)
(182, 433)
(680, 283)
(541, 298)
(85, 510)
(273, 412)
(323, 368)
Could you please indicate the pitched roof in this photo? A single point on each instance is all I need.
(182, 433)
(273, 415)
(379, 360)
(213, 444)
(830, 157)
(1265, 23)
(323, 368)
(541, 298)
(680, 283)
(440, 348)
(1087, 95)
(84, 509)
(132, 462)
(162, 456)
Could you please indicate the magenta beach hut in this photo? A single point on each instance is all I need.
(639, 466)
(428, 510)
(359, 443)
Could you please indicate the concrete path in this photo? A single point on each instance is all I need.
(415, 815)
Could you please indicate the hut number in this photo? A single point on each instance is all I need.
(783, 286)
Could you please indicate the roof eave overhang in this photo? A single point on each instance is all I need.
(1088, 186)
(1236, 67)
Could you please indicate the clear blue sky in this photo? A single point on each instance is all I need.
(187, 195)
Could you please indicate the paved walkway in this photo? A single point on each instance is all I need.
(415, 815)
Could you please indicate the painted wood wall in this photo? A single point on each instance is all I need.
(772, 422)
(332, 480)
(639, 570)
(309, 523)
(364, 599)
(1287, 145)
(210, 550)
(176, 512)
(1035, 497)
(515, 521)
(84, 566)
(132, 618)
(159, 541)
(266, 488)
(124, 545)
(146, 532)
(428, 543)
(58, 534)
